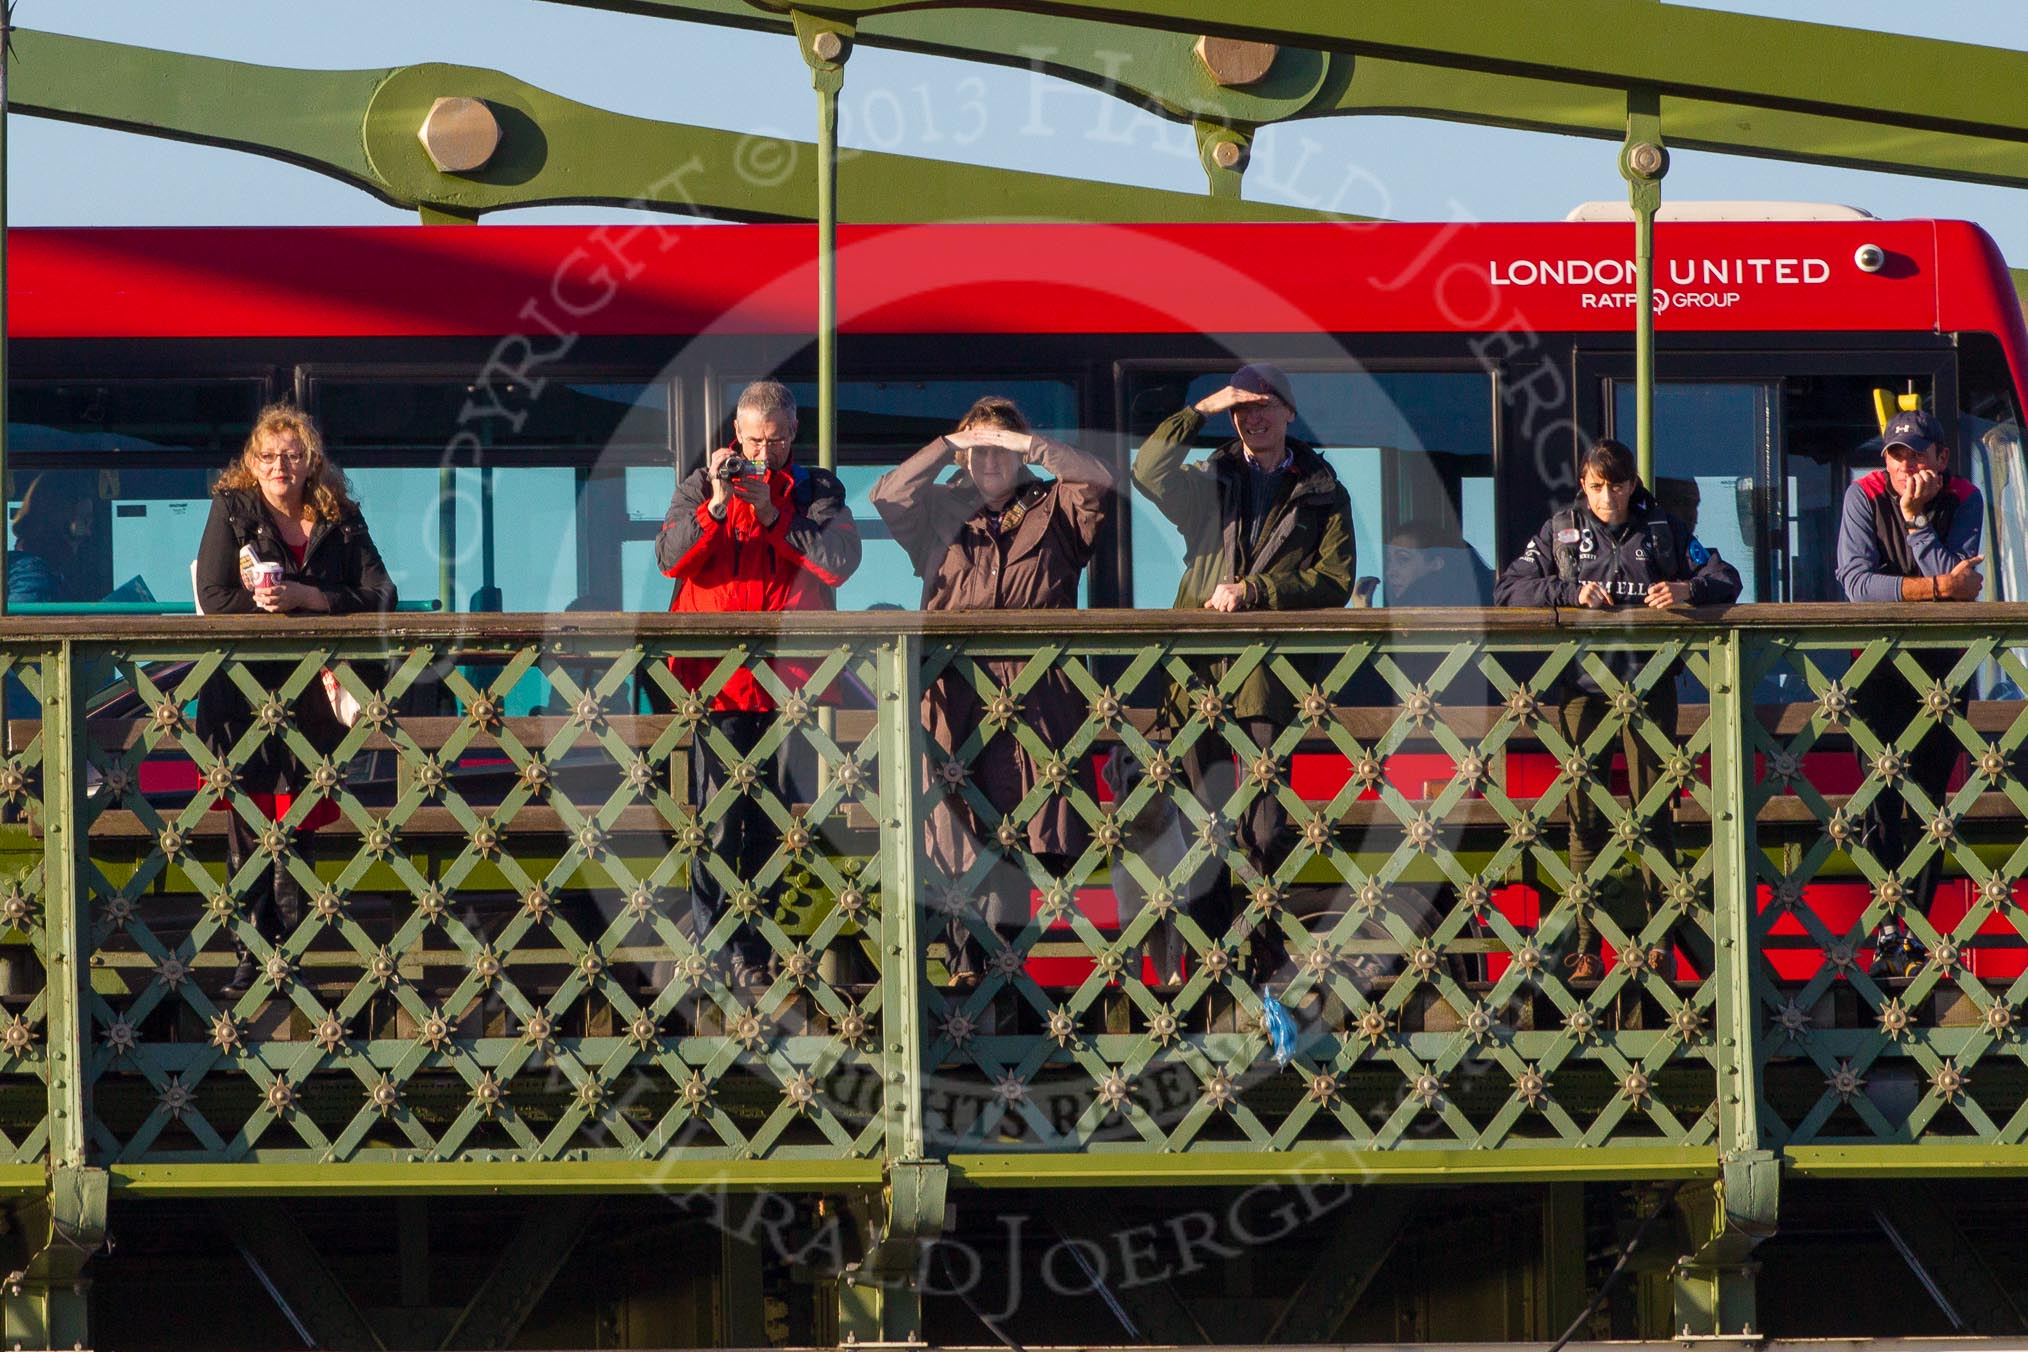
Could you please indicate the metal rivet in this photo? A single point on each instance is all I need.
(827, 46)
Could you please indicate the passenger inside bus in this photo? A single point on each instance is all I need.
(1430, 564)
(51, 527)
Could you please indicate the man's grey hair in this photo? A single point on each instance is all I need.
(767, 399)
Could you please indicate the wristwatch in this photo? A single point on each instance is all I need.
(1916, 522)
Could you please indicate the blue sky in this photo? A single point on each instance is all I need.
(1399, 168)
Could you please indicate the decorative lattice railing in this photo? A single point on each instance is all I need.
(1147, 835)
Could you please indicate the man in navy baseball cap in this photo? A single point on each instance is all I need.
(1909, 531)
(1915, 431)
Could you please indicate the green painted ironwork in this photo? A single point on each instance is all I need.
(1643, 161)
(495, 971)
(412, 1005)
(1616, 44)
(1159, 71)
(495, 985)
(360, 127)
(825, 47)
(496, 968)
(1935, 1055)
(1408, 1045)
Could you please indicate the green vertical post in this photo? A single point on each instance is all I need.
(65, 899)
(902, 756)
(880, 1300)
(1643, 161)
(826, 45)
(1726, 1221)
(1734, 840)
(46, 1307)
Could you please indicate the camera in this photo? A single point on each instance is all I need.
(739, 467)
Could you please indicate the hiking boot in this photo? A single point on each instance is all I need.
(749, 974)
(1584, 966)
(240, 981)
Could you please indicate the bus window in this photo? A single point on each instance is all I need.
(1413, 449)
(1712, 441)
(1990, 454)
(601, 417)
(527, 503)
(512, 467)
(130, 464)
(645, 493)
(1831, 436)
(883, 422)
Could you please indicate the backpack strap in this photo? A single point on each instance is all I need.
(1664, 547)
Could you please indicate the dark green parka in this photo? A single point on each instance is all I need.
(1303, 557)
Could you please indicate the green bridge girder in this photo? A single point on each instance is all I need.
(360, 128)
(1160, 71)
(1613, 44)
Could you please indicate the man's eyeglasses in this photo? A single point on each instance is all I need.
(766, 443)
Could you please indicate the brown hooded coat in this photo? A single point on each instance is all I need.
(1033, 563)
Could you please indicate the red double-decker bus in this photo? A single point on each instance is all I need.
(556, 378)
(553, 375)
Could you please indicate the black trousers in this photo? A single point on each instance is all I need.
(1887, 703)
(273, 900)
(1261, 832)
(742, 835)
(1582, 713)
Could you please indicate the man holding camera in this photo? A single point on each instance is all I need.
(749, 531)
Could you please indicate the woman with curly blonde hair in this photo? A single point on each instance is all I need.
(284, 538)
(320, 490)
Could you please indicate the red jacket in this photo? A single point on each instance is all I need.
(737, 564)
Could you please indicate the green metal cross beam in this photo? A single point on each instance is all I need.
(360, 127)
(1159, 70)
(1615, 44)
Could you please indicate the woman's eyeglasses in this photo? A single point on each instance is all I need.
(269, 459)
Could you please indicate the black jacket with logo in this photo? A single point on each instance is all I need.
(1650, 546)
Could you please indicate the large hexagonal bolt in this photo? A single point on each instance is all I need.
(459, 135)
(1232, 63)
